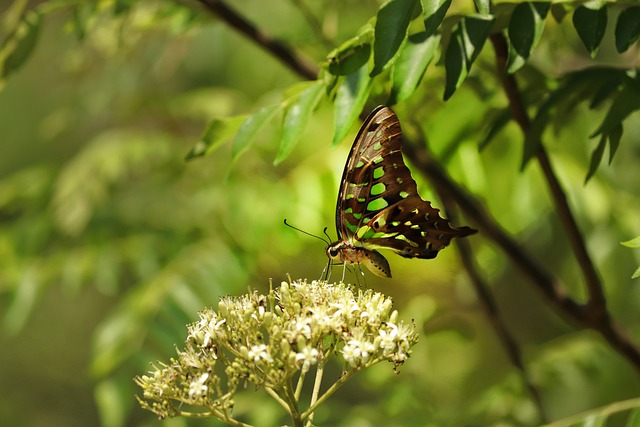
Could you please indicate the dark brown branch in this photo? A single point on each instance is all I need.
(492, 312)
(597, 301)
(595, 314)
(546, 283)
(280, 50)
(419, 156)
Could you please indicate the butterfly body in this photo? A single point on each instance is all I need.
(379, 206)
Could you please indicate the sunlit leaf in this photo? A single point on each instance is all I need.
(111, 403)
(633, 243)
(217, 132)
(483, 6)
(434, 12)
(590, 22)
(107, 159)
(391, 31)
(627, 28)
(414, 58)
(350, 100)
(525, 29)
(27, 293)
(296, 118)
(250, 128)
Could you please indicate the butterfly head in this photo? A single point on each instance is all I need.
(347, 253)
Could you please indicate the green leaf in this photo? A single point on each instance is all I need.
(296, 118)
(81, 14)
(215, 134)
(348, 61)
(590, 25)
(626, 102)
(350, 100)
(483, 6)
(464, 47)
(495, 126)
(434, 12)
(111, 402)
(596, 158)
(475, 30)
(17, 48)
(614, 141)
(391, 28)
(558, 12)
(575, 87)
(627, 28)
(525, 29)
(633, 243)
(415, 57)
(250, 128)
(454, 64)
(122, 6)
(352, 54)
(635, 275)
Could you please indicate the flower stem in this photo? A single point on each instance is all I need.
(314, 394)
(334, 387)
(300, 384)
(278, 399)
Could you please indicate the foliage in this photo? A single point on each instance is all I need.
(108, 233)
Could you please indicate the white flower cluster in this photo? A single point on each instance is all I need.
(269, 339)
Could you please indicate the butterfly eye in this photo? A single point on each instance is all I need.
(333, 252)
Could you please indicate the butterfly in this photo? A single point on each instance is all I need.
(379, 206)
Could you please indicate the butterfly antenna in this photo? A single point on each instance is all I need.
(326, 234)
(309, 234)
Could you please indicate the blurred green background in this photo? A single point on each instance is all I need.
(110, 242)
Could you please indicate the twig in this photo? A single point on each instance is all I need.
(495, 318)
(594, 314)
(544, 281)
(597, 301)
(419, 156)
(277, 48)
(492, 312)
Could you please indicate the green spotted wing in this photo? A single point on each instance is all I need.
(379, 206)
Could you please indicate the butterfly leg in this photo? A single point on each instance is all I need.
(344, 271)
(326, 272)
(364, 278)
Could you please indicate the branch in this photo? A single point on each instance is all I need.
(277, 48)
(597, 302)
(548, 284)
(421, 158)
(492, 312)
(594, 315)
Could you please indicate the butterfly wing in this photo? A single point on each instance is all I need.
(379, 205)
